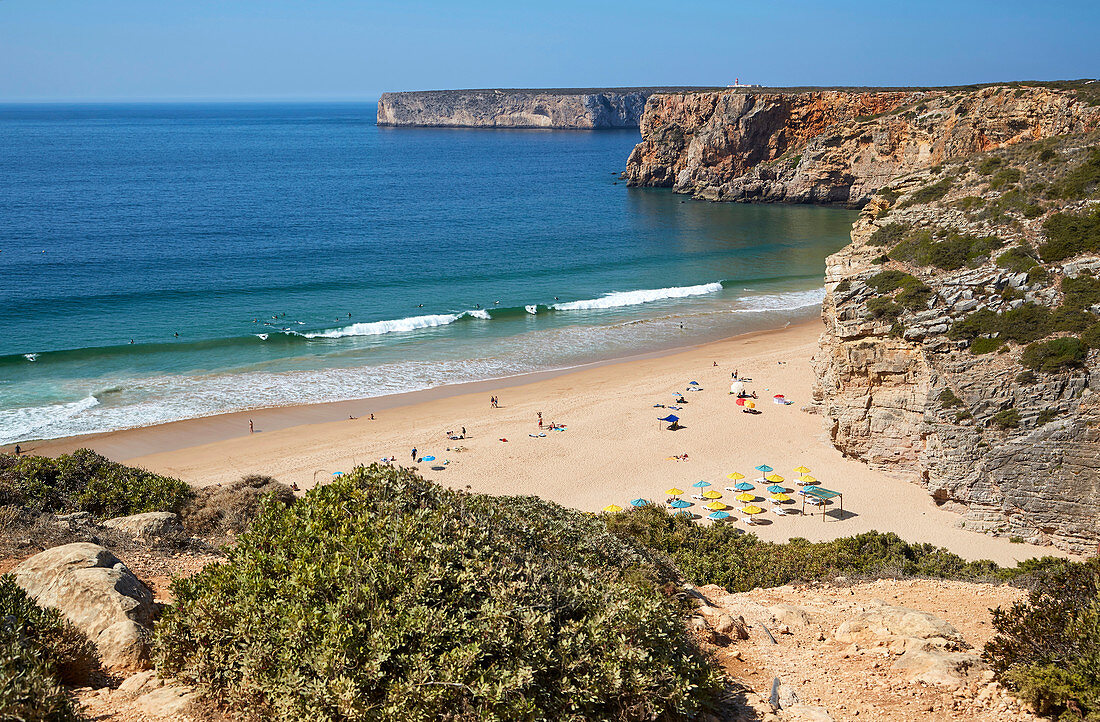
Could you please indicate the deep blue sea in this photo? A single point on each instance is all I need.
(160, 262)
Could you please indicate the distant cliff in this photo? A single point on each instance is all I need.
(586, 109)
(833, 146)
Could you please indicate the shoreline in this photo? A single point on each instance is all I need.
(613, 450)
(183, 433)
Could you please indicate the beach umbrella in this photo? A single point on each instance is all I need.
(718, 515)
(780, 497)
(688, 514)
(715, 506)
(765, 468)
(701, 484)
(638, 502)
(750, 405)
(740, 402)
(750, 509)
(776, 489)
(809, 487)
(693, 383)
(680, 504)
(612, 508)
(674, 491)
(428, 458)
(807, 480)
(801, 470)
(743, 486)
(712, 494)
(673, 418)
(735, 476)
(745, 497)
(337, 473)
(774, 478)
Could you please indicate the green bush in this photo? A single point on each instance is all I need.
(951, 252)
(1069, 234)
(983, 321)
(970, 203)
(1056, 355)
(890, 194)
(928, 194)
(1026, 377)
(1038, 275)
(225, 510)
(1046, 416)
(39, 650)
(1047, 649)
(1017, 259)
(721, 554)
(86, 481)
(949, 400)
(1081, 292)
(888, 235)
(1005, 177)
(1081, 182)
(844, 286)
(1091, 336)
(883, 307)
(383, 596)
(1007, 418)
(985, 344)
(989, 165)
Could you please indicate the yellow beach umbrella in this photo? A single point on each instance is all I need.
(716, 506)
(746, 497)
(750, 509)
(780, 497)
(750, 405)
(712, 494)
(674, 491)
(735, 476)
(807, 480)
(801, 470)
(774, 478)
(612, 508)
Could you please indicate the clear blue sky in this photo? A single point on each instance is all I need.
(345, 49)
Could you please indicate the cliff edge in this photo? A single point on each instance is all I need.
(576, 108)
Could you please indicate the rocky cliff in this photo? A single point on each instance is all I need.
(832, 146)
(572, 108)
(962, 324)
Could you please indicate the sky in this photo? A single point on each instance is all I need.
(134, 50)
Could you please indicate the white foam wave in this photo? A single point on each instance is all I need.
(376, 328)
(262, 336)
(477, 313)
(788, 301)
(40, 421)
(31, 356)
(634, 298)
(531, 309)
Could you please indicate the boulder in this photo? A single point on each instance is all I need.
(790, 615)
(159, 697)
(99, 595)
(885, 623)
(936, 666)
(150, 524)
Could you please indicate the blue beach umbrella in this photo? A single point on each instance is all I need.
(776, 489)
(429, 458)
(718, 515)
(701, 484)
(809, 487)
(743, 486)
(638, 502)
(765, 468)
(337, 473)
(671, 417)
(688, 514)
(680, 504)
(693, 383)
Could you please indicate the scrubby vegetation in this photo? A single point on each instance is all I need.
(226, 510)
(1024, 324)
(86, 481)
(1047, 649)
(949, 400)
(1018, 259)
(383, 596)
(888, 235)
(948, 250)
(929, 193)
(1007, 418)
(1069, 234)
(39, 651)
(1082, 181)
(1056, 355)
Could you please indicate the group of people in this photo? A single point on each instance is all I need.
(494, 402)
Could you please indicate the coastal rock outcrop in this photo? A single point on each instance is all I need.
(833, 146)
(961, 328)
(587, 109)
(99, 595)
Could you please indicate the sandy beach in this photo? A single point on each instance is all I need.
(613, 449)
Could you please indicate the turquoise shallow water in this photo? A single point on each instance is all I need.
(302, 255)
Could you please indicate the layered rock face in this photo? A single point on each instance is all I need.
(831, 146)
(934, 314)
(587, 109)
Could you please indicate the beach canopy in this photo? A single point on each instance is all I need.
(737, 387)
(801, 470)
(765, 468)
(776, 489)
(807, 479)
(774, 478)
(743, 486)
(428, 458)
(750, 509)
(671, 418)
(746, 497)
(718, 515)
(712, 494)
(680, 504)
(716, 506)
(735, 476)
(693, 383)
(638, 502)
(612, 508)
(688, 514)
(780, 497)
(700, 484)
(674, 491)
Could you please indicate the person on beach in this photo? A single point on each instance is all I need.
(414, 454)
(463, 432)
(372, 417)
(540, 418)
(18, 451)
(251, 427)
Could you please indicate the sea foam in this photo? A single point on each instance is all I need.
(38, 421)
(634, 298)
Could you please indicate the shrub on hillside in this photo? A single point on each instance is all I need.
(888, 235)
(1017, 259)
(1056, 355)
(86, 481)
(929, 193)
(39, 650)
(384, 596)
(1081, 293)
(1005, 177)
(1069, 234)
(1047, 649)
(950, 252)
(1081, 182)
(228, 509)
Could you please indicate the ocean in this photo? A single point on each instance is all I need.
(170, 261)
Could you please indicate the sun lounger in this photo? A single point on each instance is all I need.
(699, 497)
(750, 520)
